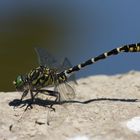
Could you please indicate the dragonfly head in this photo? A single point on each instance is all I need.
(20, 82)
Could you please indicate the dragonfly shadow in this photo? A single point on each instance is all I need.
(104, 99)
(38, 101)
(47, 103)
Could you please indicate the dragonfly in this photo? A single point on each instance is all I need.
(49, 73)
(46, 76)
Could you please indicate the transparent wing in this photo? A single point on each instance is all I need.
(57, 118)
(66, 65)
(66, 91)
(45, 58)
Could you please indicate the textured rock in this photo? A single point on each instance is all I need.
(101, 109)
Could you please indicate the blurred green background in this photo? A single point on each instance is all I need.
(76, 29)
(24, 26)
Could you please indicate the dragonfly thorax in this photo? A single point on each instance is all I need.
(38, 78)
(41, 77)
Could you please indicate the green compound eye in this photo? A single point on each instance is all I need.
(19, 81)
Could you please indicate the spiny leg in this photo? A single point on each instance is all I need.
(23, 95)
(50, 93)
(31, 102)
(21, 99)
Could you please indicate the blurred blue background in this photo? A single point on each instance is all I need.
(77, 29)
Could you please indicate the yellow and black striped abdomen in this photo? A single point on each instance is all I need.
(126, 48)
(133, 47)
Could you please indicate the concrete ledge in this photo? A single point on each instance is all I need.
(105, 107)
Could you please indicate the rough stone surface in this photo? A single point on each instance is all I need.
(101, 109)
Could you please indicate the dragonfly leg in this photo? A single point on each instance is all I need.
(31, 102)
(21, 99)
(50, 93)
(23, 95)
